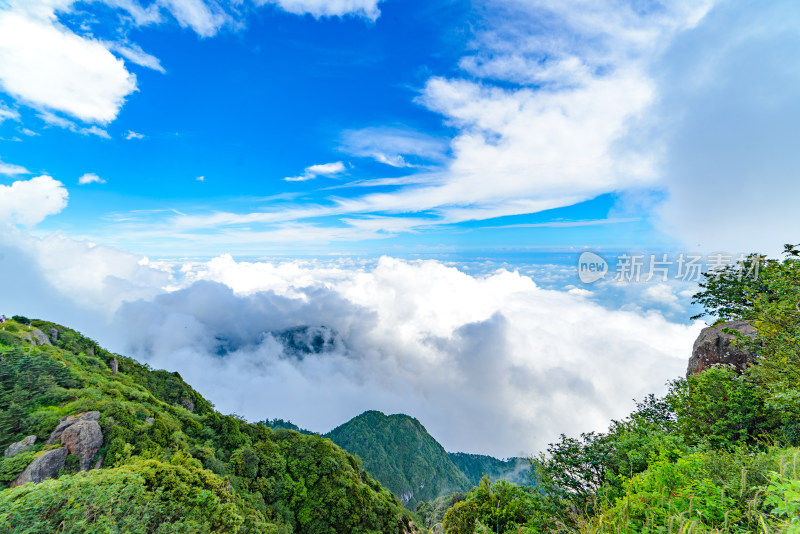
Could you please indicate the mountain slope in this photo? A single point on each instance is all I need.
(476, 466)
(170, 462)
(400, 453)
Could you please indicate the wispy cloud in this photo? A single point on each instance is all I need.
(134, 135)
(325, 169)
(329, 8)
(10, 169)
(90, 178)
(134, 53)
(7, 113)
(392, 146)
(54, 120)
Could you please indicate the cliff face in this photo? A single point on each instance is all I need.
(713, 346)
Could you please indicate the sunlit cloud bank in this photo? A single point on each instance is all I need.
(489, 363)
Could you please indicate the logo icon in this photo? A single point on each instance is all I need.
(591, 267)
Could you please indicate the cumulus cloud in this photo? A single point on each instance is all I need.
(28, 202)
(46, 65)
(490, 364)
(90, 178)
(329, 8)
(324, 169)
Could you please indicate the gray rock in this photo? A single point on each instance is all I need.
(83, 439)
(43, 467)
(715, 347)
(20, 446)
(188, 405)
(40, 338)
(149, 420)
(53, 335)
(66, 422)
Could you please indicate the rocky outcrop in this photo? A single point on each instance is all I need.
(20, 446)
(39, 337)
(715, 347)
(53, 335)
(45, 466)
(66, 422)
(83, 439)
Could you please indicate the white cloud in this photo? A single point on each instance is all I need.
(489, 364)
(10, 169)
(134, 53)
(392, 146)
(731, 164)
(329, 8)
(46, 65)
(325, 169)
(54, 120)
(206, 20)
(134, 135)
(201, 178)
(7, 113)
(90, 178)
(29, 202)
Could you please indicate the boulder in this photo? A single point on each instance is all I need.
(45, 466)
(20, 446)
(83, 439)
(40, 338)
(715, 347)
(66, 422)
(53, 335)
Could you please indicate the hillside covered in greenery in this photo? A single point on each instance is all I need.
(401, 453)
(164, 459)
(718, 454)
(476, 466)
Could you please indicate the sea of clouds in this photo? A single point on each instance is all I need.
(489, 363)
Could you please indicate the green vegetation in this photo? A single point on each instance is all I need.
(717, 454)
(401, 454)
(171, 463)
(477, 466)
(277, 424)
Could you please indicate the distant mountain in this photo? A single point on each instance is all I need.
(399, 452)
(475, 466)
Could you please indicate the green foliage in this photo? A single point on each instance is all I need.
(172, 464)
(722, 408)
(501, 507)
(277, 424)
(476, 466)
(143, 497)
(13, 466)
(401, 454)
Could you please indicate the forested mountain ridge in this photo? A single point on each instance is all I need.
(160, 458)
(401, 453)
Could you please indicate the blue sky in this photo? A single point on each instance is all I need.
(419, 176)
(371, 127)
